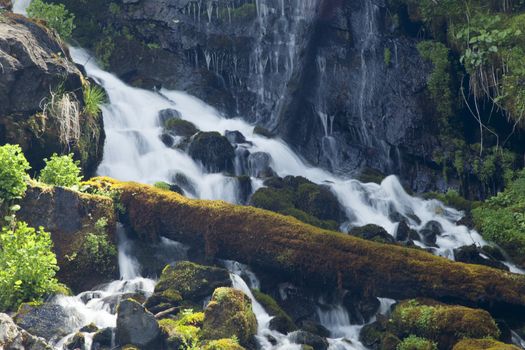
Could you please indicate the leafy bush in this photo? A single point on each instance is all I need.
(61, 171)
(27, 265)
(13, 167)
(416, 343)
(94, 97)
(55, 15)
(501, 219)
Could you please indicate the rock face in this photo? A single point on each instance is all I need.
(14, 338)
(333, 78)
(35, 66)
(136, 326)
(229, 314)
(70, 216)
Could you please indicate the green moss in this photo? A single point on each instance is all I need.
(223, 344)
(282, 321)
(483, 344)
(416, 343)
(451, 198)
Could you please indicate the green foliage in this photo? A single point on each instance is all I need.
(104, 48)
(501, 219)
(27, 265)
(13, 176)
(55, 15)
(416, 343)
(61, 171)
(439, 80)
(94, 97)
(387, 56)
(162, 185)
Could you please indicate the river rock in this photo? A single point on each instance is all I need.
(473, 255)
(13, 337)
(180, 127)
(103, 339)
(49, 321)
(78, 341)
(167, 114)
(34, 63)
(234, 137)
(372, 232)
(213, 150)
(229, 314)
(137, 326)
(259, 165)
(305, 338)
(430, 231)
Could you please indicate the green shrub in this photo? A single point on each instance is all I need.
(13, 167)
(55, 15)
(27, 265)
(94, 97)
(61, 171)
(416, 343)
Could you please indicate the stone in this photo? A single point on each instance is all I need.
(473, 255)
(48, 321)
(373, 233)
(213, 150)
(13, 337)
(305, 338)
(137, 326)
(430, 231)
(234, 137)
(259, 165)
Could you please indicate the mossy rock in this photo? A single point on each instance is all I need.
(186, 284)
(483, 344)
(445, 324)
(223, 344)
(180, 127)
(213, 150)
(416, 343)
(261, 131)
(373, 233)
(229, 314)
(281, 321)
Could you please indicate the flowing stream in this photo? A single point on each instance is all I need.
(134, 151)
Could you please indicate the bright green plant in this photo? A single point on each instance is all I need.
(61, 171)
(94, 97)
(13, 176)
(55, 15)
(27, 265)
(416, 343)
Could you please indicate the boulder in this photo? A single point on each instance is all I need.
(167, 114)
(35, 64)
(404, 233)
(70, 216)
(78, 341)
(234, 137)
(137, 326)
(259, 165)
(186, 284)
(103, 339)
(229, 314)
(373, 233)
(430, 231)
(309, 339)
(48, 321)
(213, 150)
(180, 127)
(13, 337)
(473, 255)
(281, 321)
(483, 344)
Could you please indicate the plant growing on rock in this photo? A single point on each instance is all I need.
(65, 109)
(13, 176)
(55, 15)
(416, 343)
(94, 97)
(27, 265)
(61, 171)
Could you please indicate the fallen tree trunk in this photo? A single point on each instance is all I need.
(272, 241)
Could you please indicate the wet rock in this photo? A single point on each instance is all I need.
(76, 342)
(262, 131)
(313, 327)
(33, 64)
(186, 283)
(213, 150)
(259, 165)
(13, 337)
(281, 321)
(167, 114)
(90, 328)
(372, 334)
(167, 140)
(430, 231)
(137, 326)
(185, 183)
(473, 255)
(103, 339)
(405, 233)
(234, 137)
(373, 233)
(49, 321)
(229, 314)
(361, 309)
(305, 338)
(180, 127)
(245, 188)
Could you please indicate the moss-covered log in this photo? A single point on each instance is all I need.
(269, 240)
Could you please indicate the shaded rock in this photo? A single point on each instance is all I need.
(405, 233)
(34, 63)
(213, 150)
(361, 308)
(373, 233)
(185, 183)
(244, 188)
(259, 165)
(313, 327)
(103, 339)
(90, 328)
(262, 131)
(15, 338)
(167, 114)
(473, 255)
(430, 231)
(70, 216)
(49, 321)
(229, 314)
(77, 342)
(167, 140)
(137, 326)
(234, 137)
(281, 321)
(305, 338)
